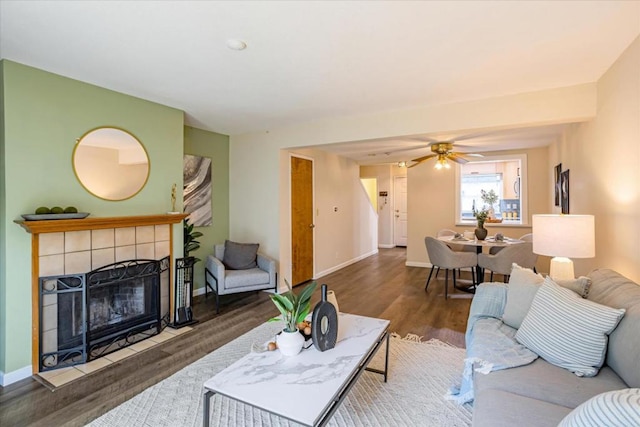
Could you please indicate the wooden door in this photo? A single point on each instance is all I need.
(301, 220)
(400, 210)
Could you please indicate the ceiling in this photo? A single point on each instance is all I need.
(394, 150)
(315, 60)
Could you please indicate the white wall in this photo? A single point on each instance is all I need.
(345, 222)
(603, 156)
(256, 206)
(371, 187)
(385, 175)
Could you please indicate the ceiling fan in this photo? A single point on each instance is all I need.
(444, 151)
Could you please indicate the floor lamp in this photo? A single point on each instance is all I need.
(564, 237)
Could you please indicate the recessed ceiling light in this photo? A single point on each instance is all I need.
(236, 44)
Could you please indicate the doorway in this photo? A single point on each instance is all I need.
(302, 226)
(400, 210)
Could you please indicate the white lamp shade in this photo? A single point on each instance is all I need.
(570, 236)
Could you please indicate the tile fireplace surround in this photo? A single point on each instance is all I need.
(71, 246)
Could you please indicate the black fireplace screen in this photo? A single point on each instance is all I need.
(123, 299)
(89, 315)
(63, 340)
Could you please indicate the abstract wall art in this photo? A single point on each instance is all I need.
(197, 190)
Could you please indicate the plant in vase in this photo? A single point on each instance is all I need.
(481, 216)
(490, 198)
(293, 310)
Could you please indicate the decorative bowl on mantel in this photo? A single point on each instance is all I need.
(42, 217)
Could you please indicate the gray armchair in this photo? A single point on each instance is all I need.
(223, 281)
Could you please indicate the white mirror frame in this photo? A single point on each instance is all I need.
(110, 163)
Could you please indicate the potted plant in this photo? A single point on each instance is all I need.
(293, 310)
(190, 242)
(481, 216)
(490, 198)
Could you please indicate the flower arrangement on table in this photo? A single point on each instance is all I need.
(480, 215)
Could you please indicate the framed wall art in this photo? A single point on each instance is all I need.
(558, 172)
(197, 190)
(564, 185)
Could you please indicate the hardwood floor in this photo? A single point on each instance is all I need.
(378, 286)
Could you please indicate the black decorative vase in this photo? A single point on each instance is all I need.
(481, 232)
(324, 324)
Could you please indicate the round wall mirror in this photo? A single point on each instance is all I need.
(111, 163)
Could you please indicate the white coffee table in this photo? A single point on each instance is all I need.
(271, 382)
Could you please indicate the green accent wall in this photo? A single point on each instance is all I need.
(43, 115)
(199, 142)
(3, 233)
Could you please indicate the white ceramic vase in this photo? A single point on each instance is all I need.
(331, 297)
(290, 343)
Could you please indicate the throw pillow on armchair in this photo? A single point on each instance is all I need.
(240, 256)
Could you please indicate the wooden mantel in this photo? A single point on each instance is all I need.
(95, 223)
(36, 228)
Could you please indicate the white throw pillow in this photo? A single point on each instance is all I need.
(523, 286)
(619, 408)
(568, 331)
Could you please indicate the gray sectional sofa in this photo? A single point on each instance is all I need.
(541, 394)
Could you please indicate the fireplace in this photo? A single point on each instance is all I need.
(65, 253)
(123, 301)
(101, 311)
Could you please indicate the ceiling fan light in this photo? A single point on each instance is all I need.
(442, 162)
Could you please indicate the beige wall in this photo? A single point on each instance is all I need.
(254, 170)
(603, 156)
(345, 222)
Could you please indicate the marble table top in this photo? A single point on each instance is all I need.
(301, 387)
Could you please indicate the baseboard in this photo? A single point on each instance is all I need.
(199, 291)
(386, 246)
(15, 376)
(344, 264)
(427, 265)
(417, 264)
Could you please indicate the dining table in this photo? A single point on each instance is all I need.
(489, 242)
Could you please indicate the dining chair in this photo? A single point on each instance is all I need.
(525, 238)
(442, 256)
(501, 262)
(445, 232)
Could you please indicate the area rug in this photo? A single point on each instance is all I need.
(420, 373)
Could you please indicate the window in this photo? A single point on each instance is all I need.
(505, 175)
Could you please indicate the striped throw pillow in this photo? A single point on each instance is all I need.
(619, 408)
(568, 331)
